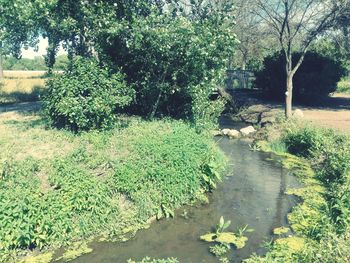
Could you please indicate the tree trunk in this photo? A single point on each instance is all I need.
(155, 106)
(1, 68)
(289, 95)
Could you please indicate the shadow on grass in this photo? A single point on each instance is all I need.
(18, 96)
(28, 124)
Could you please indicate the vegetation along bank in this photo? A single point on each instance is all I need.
(57, 187)
(320, 224)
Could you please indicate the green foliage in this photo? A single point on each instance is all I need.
(222, 226)
(174, 56)
(11, 63)
(304, 142)
(334, 248)
(162, 188)
(219, 250)
(328, 48)
(86, 96)
(331, 154)
(16, 26)
(316, 78)
(175, 63)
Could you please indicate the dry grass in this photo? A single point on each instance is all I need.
(25, 136)
(22, 74)
(21, 86)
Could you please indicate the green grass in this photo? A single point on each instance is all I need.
(56, 187)
(321, 222)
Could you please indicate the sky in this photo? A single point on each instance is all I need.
(43, 44)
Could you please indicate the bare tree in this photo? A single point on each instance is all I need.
(296, 24)
(253, 35)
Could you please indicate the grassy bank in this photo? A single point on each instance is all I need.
(57, 187)
(321, 159)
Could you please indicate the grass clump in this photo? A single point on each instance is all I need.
(104, 183)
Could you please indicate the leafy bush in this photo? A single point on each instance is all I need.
(306, 142)
(174, 63)
(86, 96)
(316, 78)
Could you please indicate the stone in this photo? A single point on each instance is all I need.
(247, 131)
(216, 133)
(299, 114)
(269, 117)
(233, 134)
(225, 131)
(252, 115)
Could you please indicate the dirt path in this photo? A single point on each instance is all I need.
(334, 113)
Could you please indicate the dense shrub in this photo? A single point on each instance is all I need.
(174, 63)
(86, 96)
(316, 78)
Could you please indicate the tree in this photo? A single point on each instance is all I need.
(296, 24)
(16, 23)
(173, 59)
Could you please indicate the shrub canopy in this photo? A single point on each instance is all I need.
(174, 63)
(86, 96)
(316, 78)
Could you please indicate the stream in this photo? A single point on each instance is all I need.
(251, 194)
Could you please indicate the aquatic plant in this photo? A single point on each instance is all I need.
(75, 250)
(222, 226)
(219, 249)
(281, 230)
(225, 238)
(42, 258)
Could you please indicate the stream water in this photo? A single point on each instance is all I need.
(251, 194)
